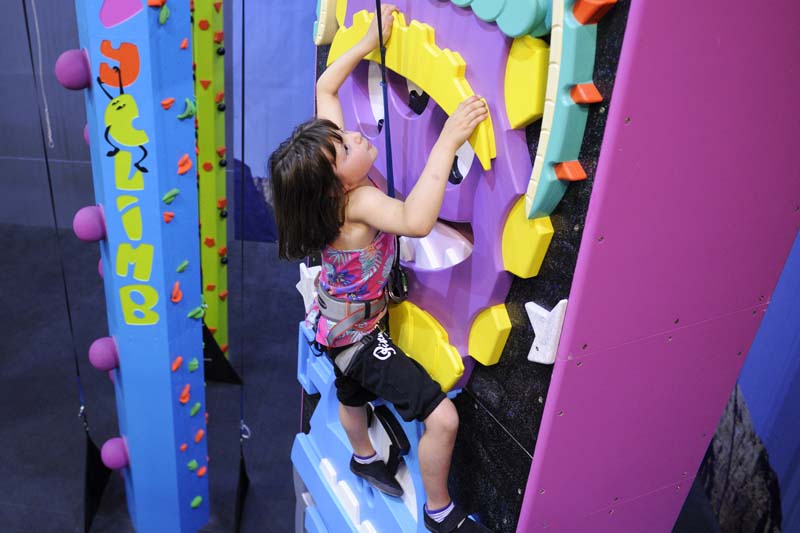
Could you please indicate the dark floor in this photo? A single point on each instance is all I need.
(41, 437)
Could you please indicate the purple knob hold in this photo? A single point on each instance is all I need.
(103, 354)
(111, 377)
(89, 224)
(86, 133)
(73, 70)
(114, 453)
(100, 267)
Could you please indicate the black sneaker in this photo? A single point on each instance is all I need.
(378, 476)
(457, 521)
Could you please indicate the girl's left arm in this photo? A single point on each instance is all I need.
(328, 105)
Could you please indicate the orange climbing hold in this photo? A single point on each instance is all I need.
(156, 3)
(212, 330)
(223, 295)
(222, 203)
(183, 447)
(176, 363)
(185, 164)
(591, 11)
(184, 398)
(570, 171)
(203, 24)
(185, 43)
(199, 435)
(209, 241)
(201, 471)
(223, 251)
(585, 93)
(219, 97)
(219, 37)
(168, 216)
(224, 348)
(177, 294)
(166, 103)
(205, 83)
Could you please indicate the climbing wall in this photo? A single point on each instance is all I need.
(210, 105)
(503, 240)
(135, 63)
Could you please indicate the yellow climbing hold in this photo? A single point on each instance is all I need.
(525, 241)
(489, 334)
(526, 80)
(423, 339)
(412, 52)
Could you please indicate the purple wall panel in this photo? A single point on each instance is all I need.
(693, 213)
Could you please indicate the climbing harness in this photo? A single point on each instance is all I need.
(346, 313)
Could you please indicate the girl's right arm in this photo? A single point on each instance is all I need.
(416, 216)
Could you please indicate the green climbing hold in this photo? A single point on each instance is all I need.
(197, 312)
(192, 465)
(170, 196)
(183, 266)
(189, 110)
(196, 502)
(163, 15)
(195, 408)
(194, 364)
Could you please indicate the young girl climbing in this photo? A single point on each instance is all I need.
(326, 203)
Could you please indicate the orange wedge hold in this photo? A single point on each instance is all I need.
(166, 103)
(176, 363)
(199, 435)
(585, 93)
(168, 216)
(184, 398)
(570, 171)
(185, 164)
(185, 43)
(177, 293)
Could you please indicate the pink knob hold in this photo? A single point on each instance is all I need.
(73, 70)
(103, 354)
(86, 134)
(89, 224)
(114, 453)
(111, 377)
(100, 267)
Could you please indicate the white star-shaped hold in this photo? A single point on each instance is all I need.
(306, 284)
(547, 330)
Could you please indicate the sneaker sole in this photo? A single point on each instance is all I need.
(384, 488)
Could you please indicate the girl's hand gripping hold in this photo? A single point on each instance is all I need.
(463, 121)
(371, 37)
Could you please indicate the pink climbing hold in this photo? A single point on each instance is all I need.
(86, 133)
(89, 224)
(73, 70)
(103, 354)
(100, 267)
(110, 375)
(114, 453)
(115, 12)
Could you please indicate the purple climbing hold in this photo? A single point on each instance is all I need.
(73, 70)
(115, 12)
(86, 133)
(89, 224)
(110, 375)
(100, 267)
(103, 354)
(114, 453)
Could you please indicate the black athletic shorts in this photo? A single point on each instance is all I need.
(381, 370)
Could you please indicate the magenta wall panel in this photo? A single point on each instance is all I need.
(693, 213)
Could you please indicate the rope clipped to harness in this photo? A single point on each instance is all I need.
(397, 284)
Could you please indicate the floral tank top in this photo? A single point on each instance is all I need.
(354, 275)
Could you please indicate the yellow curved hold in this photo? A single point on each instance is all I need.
(525, 241)
(326, 25)
(526, 80)
(489, 334)
(412, 52)
(423, 339)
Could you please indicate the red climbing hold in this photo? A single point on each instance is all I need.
(219, 97)
(217, 6)
(203, 24)
(221, 151)
(222, 203)
(208, 167)
(219, 37)
(205, 83)
(223, 251)
(210, 242)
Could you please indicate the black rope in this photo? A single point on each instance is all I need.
(82, 412)
(386, 128)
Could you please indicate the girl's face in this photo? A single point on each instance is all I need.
(354, 157)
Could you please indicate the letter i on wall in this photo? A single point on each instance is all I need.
(137, 57)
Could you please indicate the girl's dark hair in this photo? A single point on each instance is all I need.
(309, 199)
